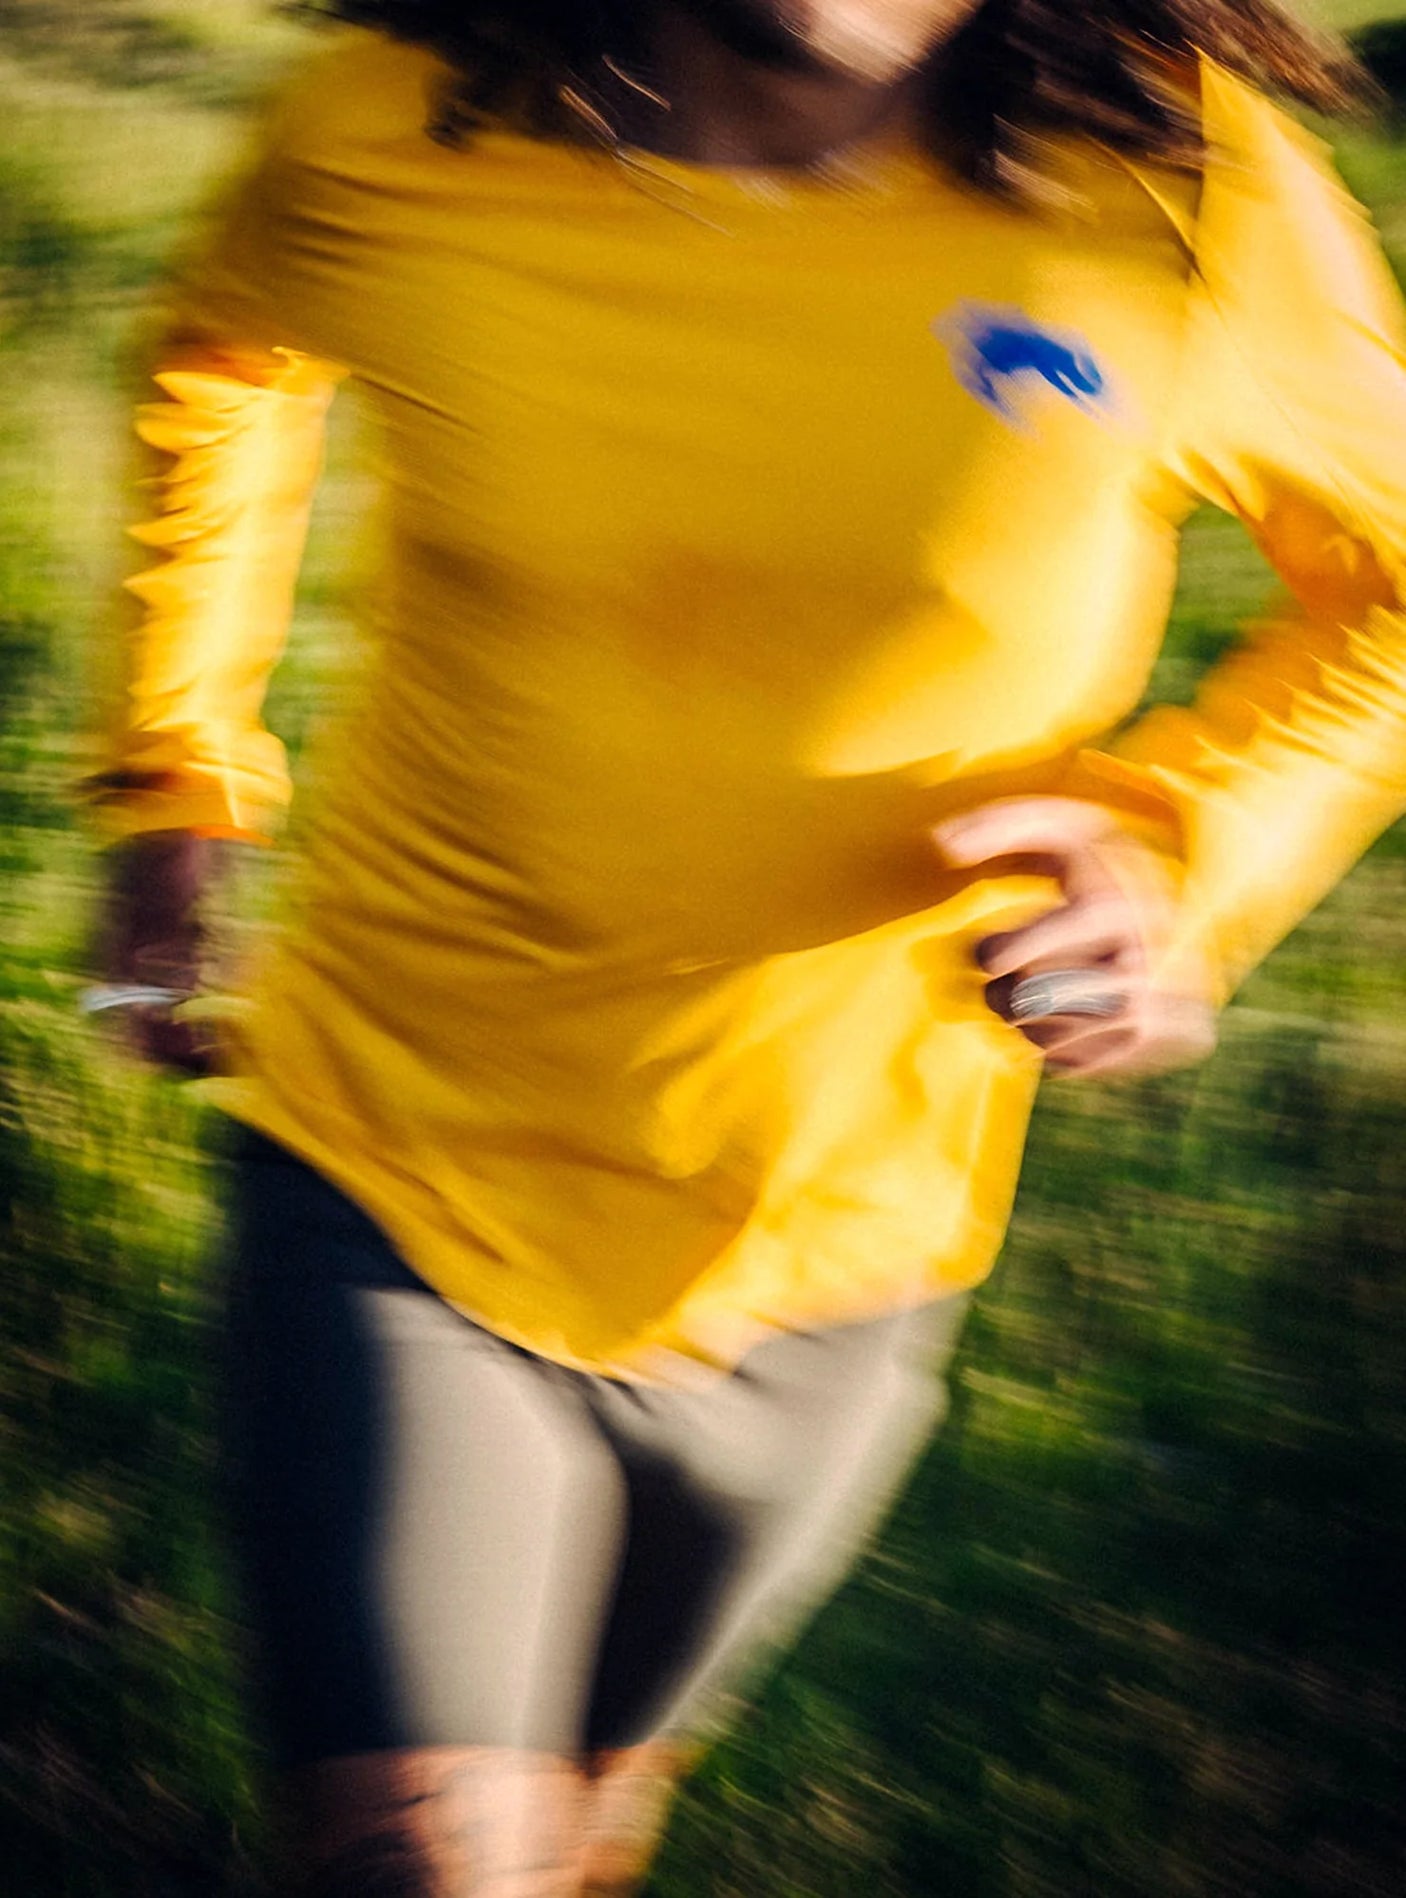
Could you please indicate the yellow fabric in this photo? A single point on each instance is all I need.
(241, 437)
(624, 989)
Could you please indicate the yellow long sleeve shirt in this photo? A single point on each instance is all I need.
(735, 530)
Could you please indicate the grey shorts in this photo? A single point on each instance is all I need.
(443, 1539)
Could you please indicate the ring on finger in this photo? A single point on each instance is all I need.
(1065, 992)
(102, 996)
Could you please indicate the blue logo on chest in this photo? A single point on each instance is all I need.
(1005, 360)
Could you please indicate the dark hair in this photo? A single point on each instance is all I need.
(1016, 73)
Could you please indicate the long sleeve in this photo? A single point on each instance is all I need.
(1293, 417)
(232, 456)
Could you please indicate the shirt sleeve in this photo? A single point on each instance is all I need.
(231, 456)
(1292, 416)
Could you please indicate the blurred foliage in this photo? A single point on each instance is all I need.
(1133, 1630)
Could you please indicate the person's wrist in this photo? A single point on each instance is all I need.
(151, 954)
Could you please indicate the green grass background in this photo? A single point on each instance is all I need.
(1135, 1629)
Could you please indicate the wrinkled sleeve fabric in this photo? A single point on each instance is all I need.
(231, 456)
(1292, 416)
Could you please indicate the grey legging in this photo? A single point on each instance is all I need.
(445, 1540)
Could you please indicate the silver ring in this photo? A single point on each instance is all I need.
(104, 995)
(1065, 992)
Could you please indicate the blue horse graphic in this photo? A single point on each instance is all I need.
(998, 354)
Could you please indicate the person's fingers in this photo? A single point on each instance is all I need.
(1166, 1032)
(167, 1041)
(1055, 1033)
(1020, 825)
(169, 961)
(1092, 1050)
(1089, 994)
(1120, 1057)
(1057, 837)
(1094, 931)
(1150, 1032)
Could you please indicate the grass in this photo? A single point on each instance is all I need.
(1133, 1631)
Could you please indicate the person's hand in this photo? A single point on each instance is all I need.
(1118, 912)
(152, 936)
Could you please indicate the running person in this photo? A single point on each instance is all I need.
(785, 415)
